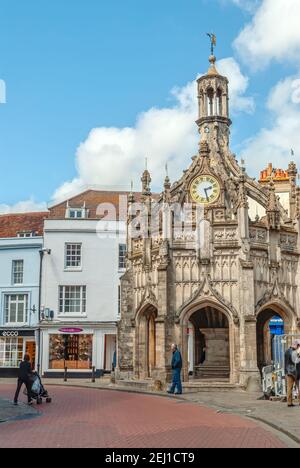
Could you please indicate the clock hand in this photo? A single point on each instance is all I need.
(206, 190)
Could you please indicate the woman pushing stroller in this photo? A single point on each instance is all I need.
(25, 375)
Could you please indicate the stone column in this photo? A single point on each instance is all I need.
(126, 330)
(125, 349)
(160, 372)
(249, 373)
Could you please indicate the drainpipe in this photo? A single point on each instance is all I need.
(42, 253)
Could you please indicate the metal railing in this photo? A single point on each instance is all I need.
(274, 375)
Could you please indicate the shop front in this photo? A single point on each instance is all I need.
(77, 349)
(14, 344)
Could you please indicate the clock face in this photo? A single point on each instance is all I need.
(205, 189)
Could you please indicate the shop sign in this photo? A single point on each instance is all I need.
(10, 334)
(16, 333)
(70, 330)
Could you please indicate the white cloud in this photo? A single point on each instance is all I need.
(273, 34)
(23, 207)
(114, 156)
(273, 144)
(238, 84)
(249, 5)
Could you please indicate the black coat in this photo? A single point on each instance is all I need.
(25, 371)
(298, 371)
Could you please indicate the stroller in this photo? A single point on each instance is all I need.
(38, 391)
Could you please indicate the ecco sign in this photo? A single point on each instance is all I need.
(13, 334)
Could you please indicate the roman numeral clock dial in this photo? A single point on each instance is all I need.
(205, 190)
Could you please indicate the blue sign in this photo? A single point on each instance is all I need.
(277, 326)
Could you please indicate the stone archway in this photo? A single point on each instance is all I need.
(145, 352)
(213, 329)
(264, 337)
(211, 344)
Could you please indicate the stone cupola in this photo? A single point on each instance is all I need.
(213, 100)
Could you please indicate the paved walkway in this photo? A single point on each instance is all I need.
(83, 417)
(274, 414)
(9, 412)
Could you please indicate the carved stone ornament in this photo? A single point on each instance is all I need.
(274, 292)
(207, 290)
(148, 299)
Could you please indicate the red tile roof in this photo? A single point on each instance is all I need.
(91, 199)
(13, 224)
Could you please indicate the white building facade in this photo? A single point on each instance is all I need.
(19, 290)
(80, 288)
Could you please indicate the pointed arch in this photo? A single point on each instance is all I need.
(212, 318)
(145, 344)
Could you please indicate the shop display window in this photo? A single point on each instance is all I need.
(11, 351)
(71, 351)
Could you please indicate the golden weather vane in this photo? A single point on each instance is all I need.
(213, 42)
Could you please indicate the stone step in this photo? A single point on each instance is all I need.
(216, 372)
(196, 386)
(212, 387)
(139, 384)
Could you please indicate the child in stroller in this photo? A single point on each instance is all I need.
(38, 391)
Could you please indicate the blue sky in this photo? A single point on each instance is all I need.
(72, 66)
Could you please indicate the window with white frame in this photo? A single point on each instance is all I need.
(17, 272)
(11, 351)
(16, 308)
(27, 234)
(73, 256)
(77, 213)
(122, 256)
(72, 300)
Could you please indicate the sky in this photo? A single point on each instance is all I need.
(90, 88)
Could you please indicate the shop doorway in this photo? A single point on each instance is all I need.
(31, 350)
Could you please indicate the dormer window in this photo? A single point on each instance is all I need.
(24, 234)
(76, 213)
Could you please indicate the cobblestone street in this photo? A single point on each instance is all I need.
(84, 417)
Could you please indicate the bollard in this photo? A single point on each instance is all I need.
(66, 375)
(93, 375)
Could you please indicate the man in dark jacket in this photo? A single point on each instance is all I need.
(176, 369)
(24, 377)
(292, 359)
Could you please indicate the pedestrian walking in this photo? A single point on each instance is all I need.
(176, 370)
(24, 377)
(292, 360)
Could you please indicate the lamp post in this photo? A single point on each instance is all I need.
(42, 253)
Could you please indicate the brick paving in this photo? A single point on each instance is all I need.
(85, 418)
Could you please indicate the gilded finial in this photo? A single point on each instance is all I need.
(213, 42)
(212, 59)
